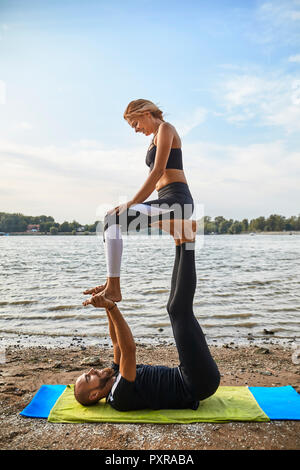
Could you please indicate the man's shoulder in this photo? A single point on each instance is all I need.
(122, 396)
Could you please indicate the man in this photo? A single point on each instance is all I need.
(128, 386)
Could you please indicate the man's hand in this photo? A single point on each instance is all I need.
(98, 301)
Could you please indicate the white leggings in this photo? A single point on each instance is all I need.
(113, 236)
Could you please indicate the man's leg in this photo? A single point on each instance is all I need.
(198, 368)
(174, 275)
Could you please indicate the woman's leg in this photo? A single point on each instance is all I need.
(113, 254)
(181, 230)
(198, 368)
(137, 216)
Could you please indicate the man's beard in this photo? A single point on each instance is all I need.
(105, 380)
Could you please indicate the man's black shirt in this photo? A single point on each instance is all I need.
(155, 387)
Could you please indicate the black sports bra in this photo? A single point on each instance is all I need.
(174, 160)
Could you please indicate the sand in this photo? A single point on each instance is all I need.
(24, 370)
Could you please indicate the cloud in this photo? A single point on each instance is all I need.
(76, 181)
(268, 98)
(72, 180)
(25, 125)
(294, 58)
(276, 23)
(190, 121)
(243, 90)
(294, 15)
(243, 181)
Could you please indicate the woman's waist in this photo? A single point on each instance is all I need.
(169, 176)
(176, 187)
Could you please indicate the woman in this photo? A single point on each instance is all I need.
(174, 204)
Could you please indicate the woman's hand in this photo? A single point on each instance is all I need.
(121, 208)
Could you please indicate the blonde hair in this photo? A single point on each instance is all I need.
(140, 107)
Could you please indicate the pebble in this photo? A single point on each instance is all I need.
(57, 365)
(268, 332)
(91, 361)
(263, 351)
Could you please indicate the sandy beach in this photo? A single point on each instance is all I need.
(24, 370)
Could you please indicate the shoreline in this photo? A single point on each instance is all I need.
(30, 340)
(24, 370)
(65, 234)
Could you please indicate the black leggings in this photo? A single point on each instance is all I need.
(199, 370)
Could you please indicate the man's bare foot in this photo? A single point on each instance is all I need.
(95, 290)
(98, 301)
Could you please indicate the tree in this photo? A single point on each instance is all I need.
(257, 224)
(236, 227)
(45, 226)
(209, 227)
(74, 225)
(53, 230)
(224, 226)
(65, 227)
(245, 225)
(275, 223)
(218, 221)
(13, 223)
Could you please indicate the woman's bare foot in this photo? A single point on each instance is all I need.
(111, 294)
(113, 289)
(95, 290)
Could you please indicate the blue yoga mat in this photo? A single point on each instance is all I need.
(43, 401)
(278, 402)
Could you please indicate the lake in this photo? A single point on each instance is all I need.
(248, 289)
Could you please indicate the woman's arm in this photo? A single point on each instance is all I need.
(164, 144)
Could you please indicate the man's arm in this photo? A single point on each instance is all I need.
(126, 344)
(114, 340)
(123, 335)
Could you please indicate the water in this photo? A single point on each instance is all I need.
(246, 284)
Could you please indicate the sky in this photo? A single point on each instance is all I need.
(226, 74)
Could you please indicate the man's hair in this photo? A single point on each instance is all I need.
(82, 396)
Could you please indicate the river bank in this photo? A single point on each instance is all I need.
(24, 370)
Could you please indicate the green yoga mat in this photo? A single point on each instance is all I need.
(227, 404)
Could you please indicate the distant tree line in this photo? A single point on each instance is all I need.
(274, 223)
(19, 223)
